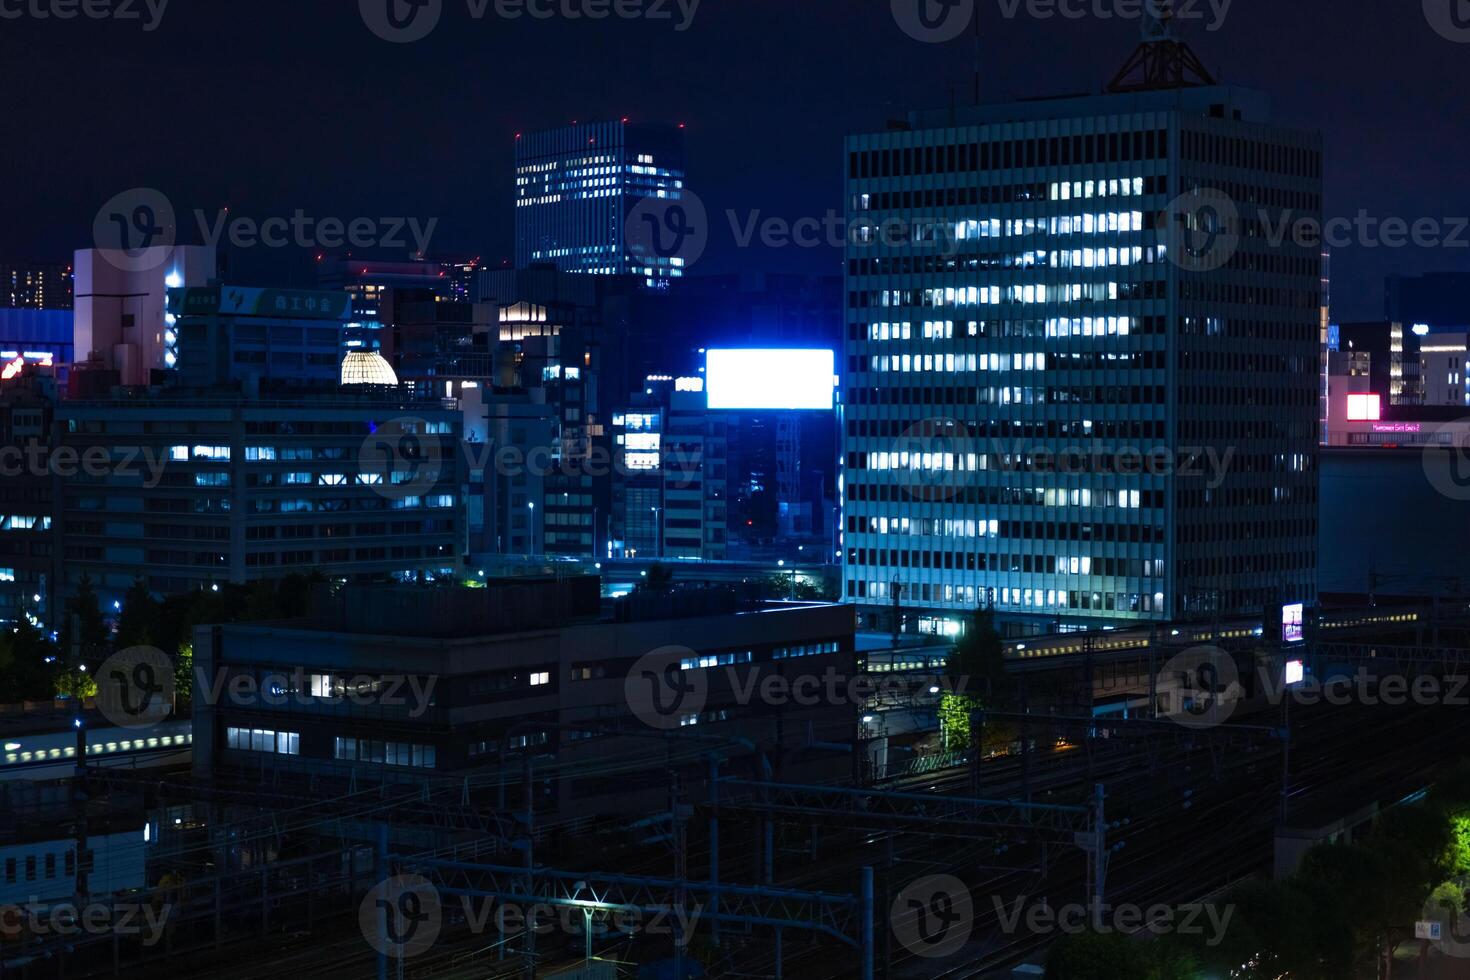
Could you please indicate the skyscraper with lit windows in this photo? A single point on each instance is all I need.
(1081, 379)
(576, 187)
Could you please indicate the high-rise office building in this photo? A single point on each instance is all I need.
(576, 187)
(1080, 384)
(37, 286)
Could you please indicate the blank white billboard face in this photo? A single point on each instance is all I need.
(770, 379)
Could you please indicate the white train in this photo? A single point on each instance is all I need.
(52, 755)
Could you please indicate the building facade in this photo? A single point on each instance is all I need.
(576, 186)
(671, 488)
(190, 488)
(120, 306)
(43, 286)
(1024, 331)
(234, 334)
(473, 679)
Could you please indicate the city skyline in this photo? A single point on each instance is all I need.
(360, 146)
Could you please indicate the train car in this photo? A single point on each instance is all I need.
(52, 753)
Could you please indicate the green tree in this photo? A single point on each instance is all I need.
(975, 670)
(184, 674)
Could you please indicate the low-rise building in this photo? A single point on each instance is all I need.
(404, 684)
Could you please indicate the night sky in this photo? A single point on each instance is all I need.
(274, 105)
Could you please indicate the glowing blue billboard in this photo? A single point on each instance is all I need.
(770, 379)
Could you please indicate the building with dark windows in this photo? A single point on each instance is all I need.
(231, 334)
(36, 286)
(380, 289)
(410, 685)
(670, 492)
(29, 559)
(1037, 332)
(201, 486)
(576, 186)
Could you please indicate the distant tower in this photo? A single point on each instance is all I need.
(1162, 61)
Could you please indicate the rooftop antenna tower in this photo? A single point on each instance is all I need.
(1162, 61)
